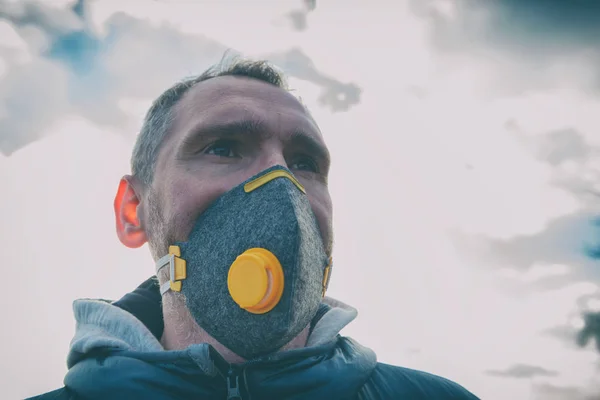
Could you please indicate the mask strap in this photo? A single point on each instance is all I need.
(160, 264)
(327, 276)
(177, 270)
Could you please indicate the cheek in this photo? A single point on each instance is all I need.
(321, 206)
(179, 208)
(187, 200)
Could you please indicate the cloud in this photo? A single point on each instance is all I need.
(548, 391)
(52, 20)
(563, 240)
(299, 18)
(570, 241)
(310, 5)
(537, 63)
(522, 371)
(31, 97)
(517, 23)
(591, 330)
(75, 69)
(567, 241)
(574, 158)
(335, 94)
(564, 145)
(530, 44)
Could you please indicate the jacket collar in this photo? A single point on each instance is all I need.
(112, 351)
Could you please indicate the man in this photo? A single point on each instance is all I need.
(229, 189)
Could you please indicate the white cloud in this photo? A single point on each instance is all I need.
(207, 19)
(593, 305)
(9, 37)
(133, 58)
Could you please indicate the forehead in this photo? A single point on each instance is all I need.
(226, 97)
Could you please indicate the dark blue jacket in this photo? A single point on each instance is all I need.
(116, 354)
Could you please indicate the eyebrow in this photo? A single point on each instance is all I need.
(257, 128)
(228, 129)
(313, 146)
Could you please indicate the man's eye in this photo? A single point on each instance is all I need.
(220, 149)
(305, 164)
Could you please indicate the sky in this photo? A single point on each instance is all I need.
(465, 177)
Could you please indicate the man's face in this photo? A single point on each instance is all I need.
(226, 130)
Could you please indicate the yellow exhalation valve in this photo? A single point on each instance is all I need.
(255, 281)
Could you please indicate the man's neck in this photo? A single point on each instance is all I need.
(181, 331)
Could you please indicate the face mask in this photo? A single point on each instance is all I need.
(254, 268)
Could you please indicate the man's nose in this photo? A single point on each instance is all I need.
(268, 160)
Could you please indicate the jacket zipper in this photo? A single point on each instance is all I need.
(233, 386)
(233, 381)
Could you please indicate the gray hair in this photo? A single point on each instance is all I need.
(160, 116)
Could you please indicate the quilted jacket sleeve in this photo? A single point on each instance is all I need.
(58, 394)
(391, 382)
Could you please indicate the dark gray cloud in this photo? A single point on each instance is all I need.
(522, 371)
(299, 18)
(591, 330)
(310, 5)
(523, 39)
(335, 94)
(542, 26)
(565, 333)
(564, 240)
(78, 70)
(564, 145)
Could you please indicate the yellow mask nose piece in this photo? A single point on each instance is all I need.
(255, 281)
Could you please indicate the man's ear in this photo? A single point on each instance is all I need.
(127, 200)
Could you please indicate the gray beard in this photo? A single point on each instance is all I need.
(157, 231)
